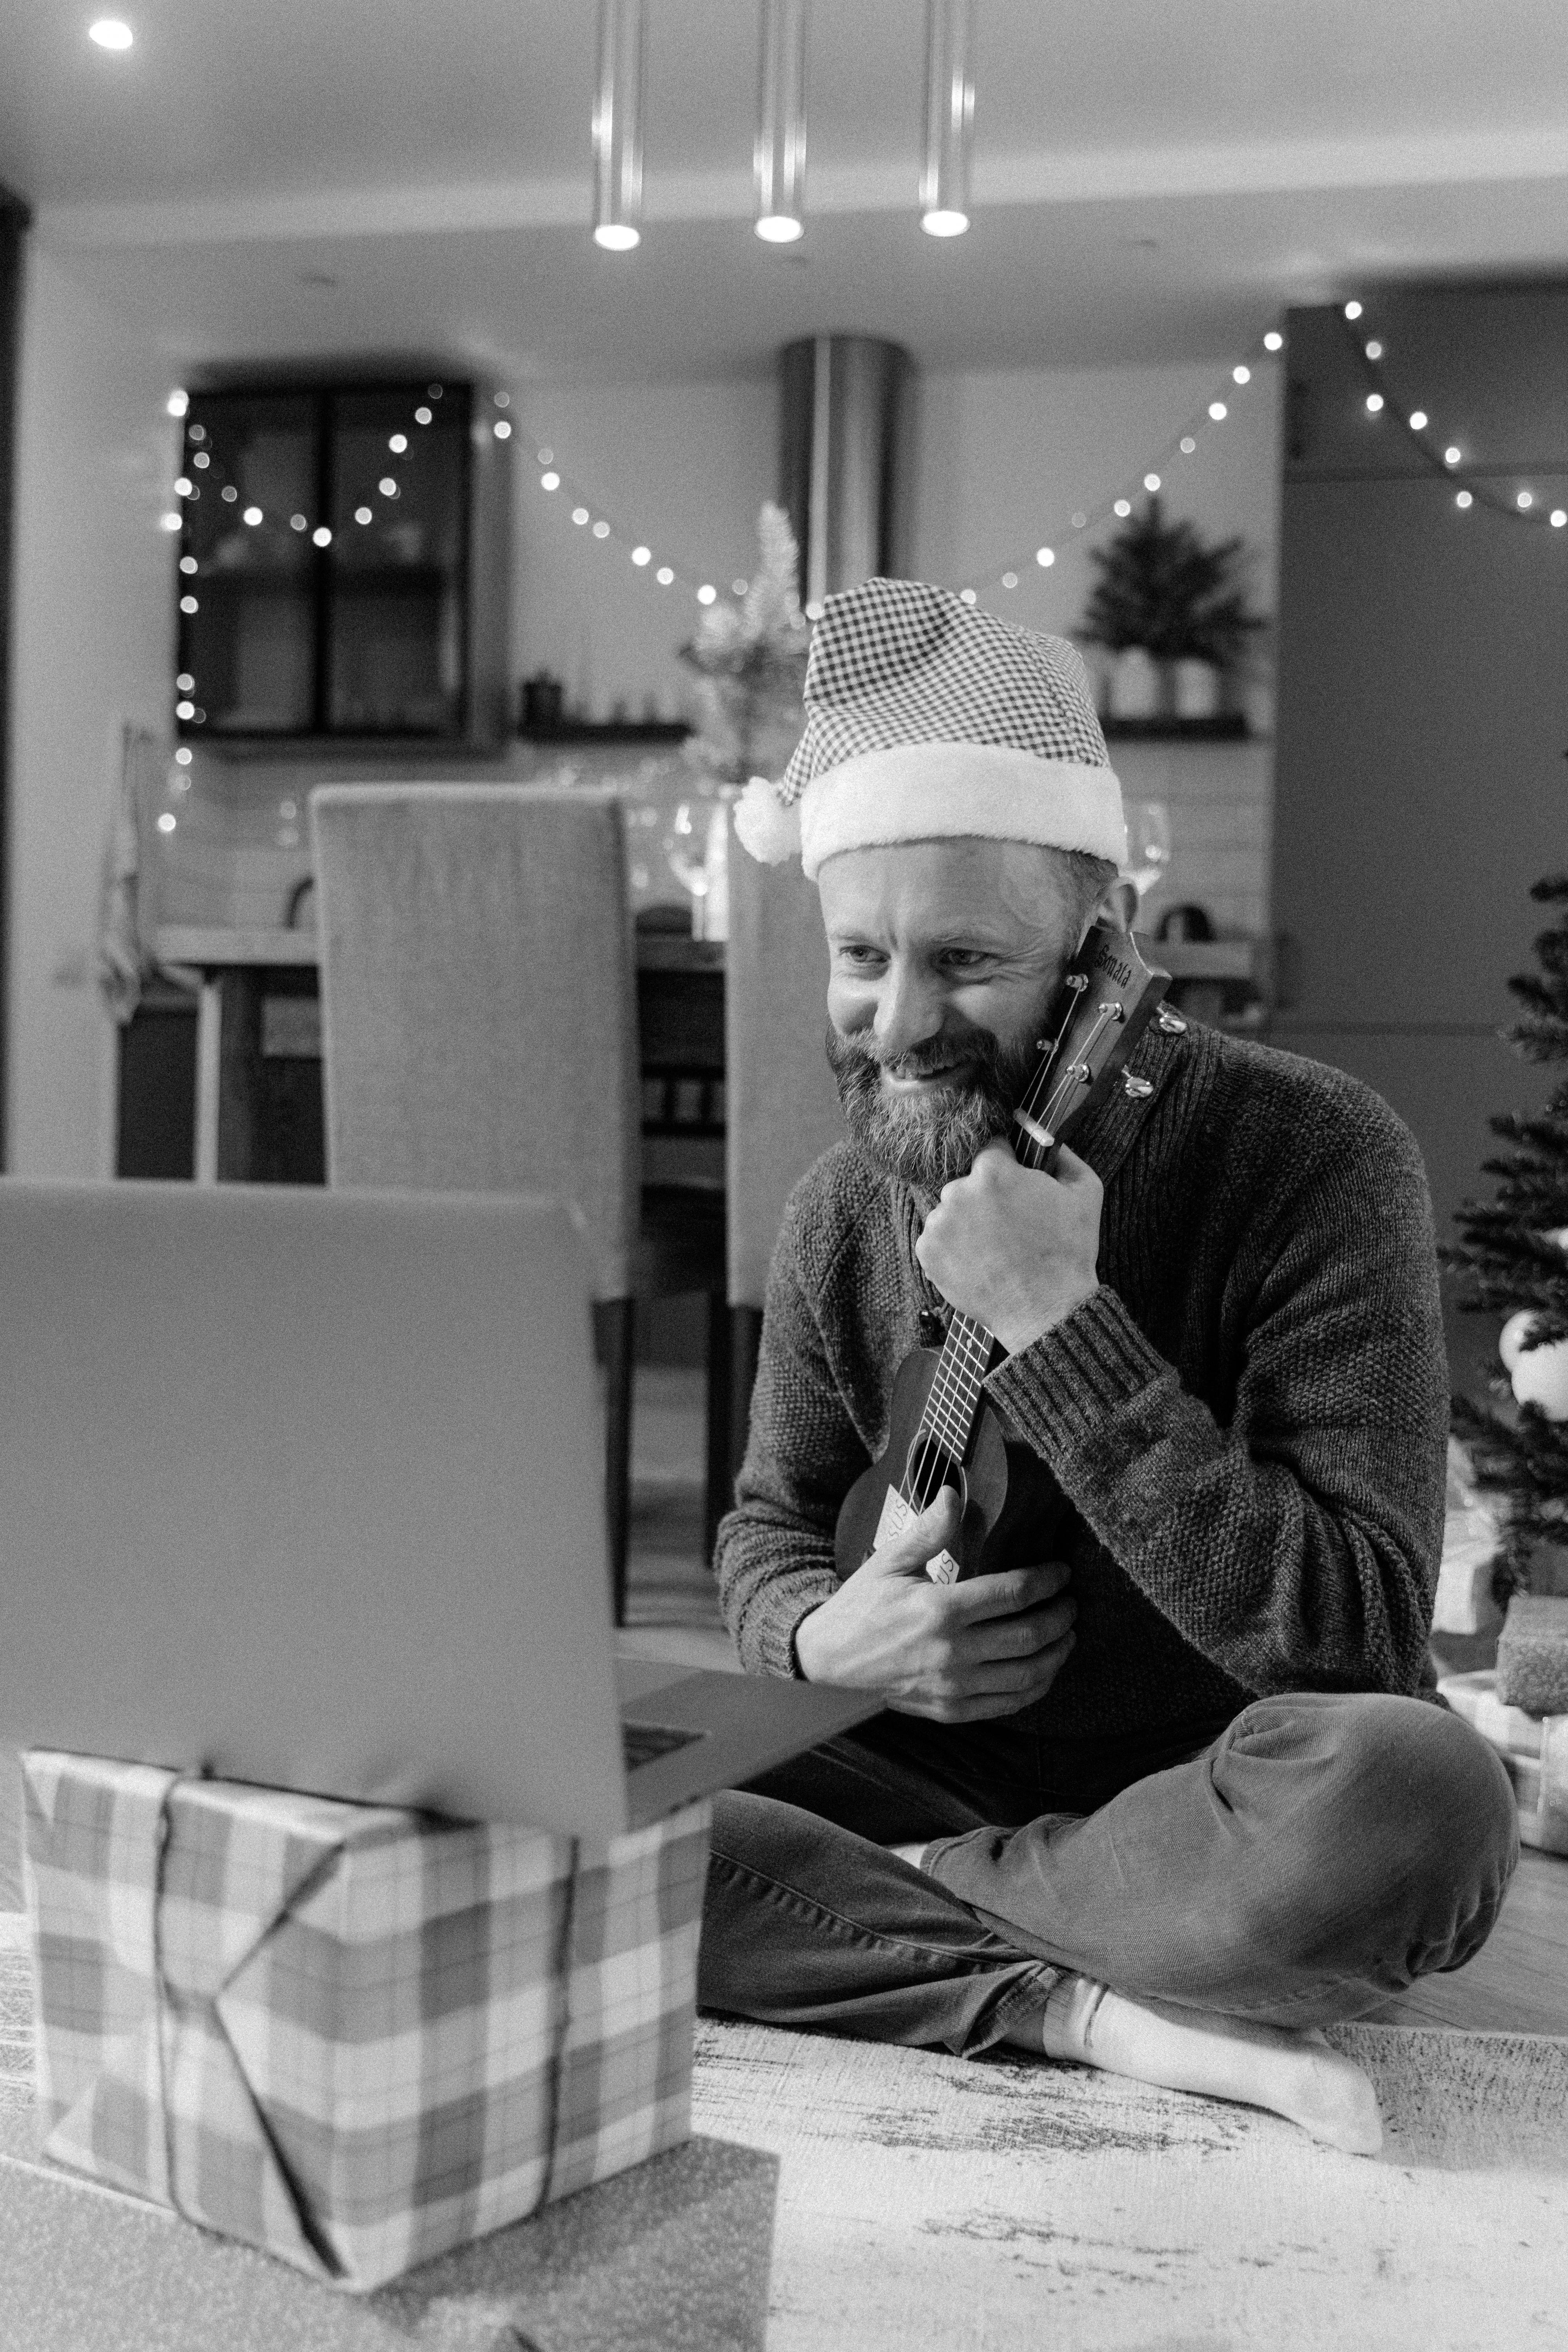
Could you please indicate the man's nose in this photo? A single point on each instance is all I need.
(909, 1011)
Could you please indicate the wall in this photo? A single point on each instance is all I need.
(1001, 461)
(91, 648)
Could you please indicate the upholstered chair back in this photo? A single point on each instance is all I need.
(479, 998)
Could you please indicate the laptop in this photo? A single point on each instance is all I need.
(306, 1488)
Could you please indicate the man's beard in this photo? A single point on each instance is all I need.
(926, 1140)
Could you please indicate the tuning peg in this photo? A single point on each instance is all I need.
(1170, 1022)
(1136, 1089)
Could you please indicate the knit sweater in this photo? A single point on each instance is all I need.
(1237, 1442)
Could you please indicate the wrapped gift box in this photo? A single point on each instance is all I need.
(352, 2035)
(1534, 1748)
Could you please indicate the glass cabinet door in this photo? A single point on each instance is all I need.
(394, 653)
(250, 497)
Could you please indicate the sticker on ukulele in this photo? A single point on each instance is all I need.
(893, 1518)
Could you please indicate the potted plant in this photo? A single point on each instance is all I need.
(1163, 592)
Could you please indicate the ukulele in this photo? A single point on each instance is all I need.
(943, 1432)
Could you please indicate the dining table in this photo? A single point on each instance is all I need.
(258, 1009)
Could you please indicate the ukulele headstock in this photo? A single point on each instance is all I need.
(1108, 998)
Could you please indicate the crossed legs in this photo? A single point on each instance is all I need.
(1319, 1854)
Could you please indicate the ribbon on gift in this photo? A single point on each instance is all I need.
(347, 2033)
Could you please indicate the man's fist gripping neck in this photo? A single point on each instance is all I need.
(956, 1653)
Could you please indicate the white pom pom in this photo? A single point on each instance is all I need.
(765, 826)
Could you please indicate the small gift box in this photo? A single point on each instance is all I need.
(352, 2035)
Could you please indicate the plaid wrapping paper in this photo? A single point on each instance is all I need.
(350, 2034)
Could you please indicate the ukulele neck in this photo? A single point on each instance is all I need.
(1107, 999)
(953, 1403)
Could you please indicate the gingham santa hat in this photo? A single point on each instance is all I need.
(926, 717)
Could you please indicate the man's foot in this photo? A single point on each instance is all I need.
(1295, 2074)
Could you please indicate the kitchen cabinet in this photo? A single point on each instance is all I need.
(343, 565)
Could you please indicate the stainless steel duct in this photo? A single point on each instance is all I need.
(842, 427)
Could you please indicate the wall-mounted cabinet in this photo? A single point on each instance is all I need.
(344, 565)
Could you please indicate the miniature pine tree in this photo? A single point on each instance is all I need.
(1514, 1255)
(1159, 587)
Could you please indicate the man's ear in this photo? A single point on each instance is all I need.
(1118, 908)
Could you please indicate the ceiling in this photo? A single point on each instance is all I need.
(1152, 183)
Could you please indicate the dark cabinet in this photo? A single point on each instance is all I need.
(344, 564)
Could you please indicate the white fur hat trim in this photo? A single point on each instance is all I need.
(933, 792)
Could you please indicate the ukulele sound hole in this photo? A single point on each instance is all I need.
(930, 1467)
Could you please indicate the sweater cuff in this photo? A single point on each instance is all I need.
(1058, 1391)
(766, 1639)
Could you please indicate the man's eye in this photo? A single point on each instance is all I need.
(856, 952)
(964, 959)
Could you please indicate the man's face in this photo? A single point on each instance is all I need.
(945, 957)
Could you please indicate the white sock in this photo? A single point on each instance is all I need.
(1293, 2074)
(913, 1855)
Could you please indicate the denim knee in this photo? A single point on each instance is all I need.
(1392, 1856)
(1427, 1782)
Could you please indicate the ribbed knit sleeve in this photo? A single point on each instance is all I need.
(1295, 1545)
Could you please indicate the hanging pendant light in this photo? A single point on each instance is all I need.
(617, 126)
(950, 117)
(781, 122)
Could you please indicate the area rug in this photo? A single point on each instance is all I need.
(938, 2204)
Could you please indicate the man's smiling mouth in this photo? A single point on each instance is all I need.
(921, 1082)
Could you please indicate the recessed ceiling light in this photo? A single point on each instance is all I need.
(110, 34)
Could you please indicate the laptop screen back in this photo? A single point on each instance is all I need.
(305, 1489)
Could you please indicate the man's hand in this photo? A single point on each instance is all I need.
(957, 1652)
(1014, 1247)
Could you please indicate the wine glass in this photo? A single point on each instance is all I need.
(685, 852)
(1148, 845)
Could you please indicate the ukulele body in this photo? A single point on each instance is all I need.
(874, 1509)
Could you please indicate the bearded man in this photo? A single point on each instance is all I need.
(1174, 1790)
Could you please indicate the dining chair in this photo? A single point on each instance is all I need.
(782, 1106)
(479, 1033)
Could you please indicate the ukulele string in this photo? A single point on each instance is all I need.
(1074, 1073)
(942, 1435)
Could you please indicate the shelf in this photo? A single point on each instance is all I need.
(1231, 726)
(609, 730)
(1204, 959)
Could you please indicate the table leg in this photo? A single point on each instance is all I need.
(209, 1038)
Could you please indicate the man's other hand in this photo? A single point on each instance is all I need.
(956, 1653)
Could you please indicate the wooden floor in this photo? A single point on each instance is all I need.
(1518, 1983)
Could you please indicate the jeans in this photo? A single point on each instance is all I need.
(1316, 1856)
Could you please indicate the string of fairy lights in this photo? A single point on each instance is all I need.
(1439, 454)
(1385, 405)
(589, 514)
(1382, 405)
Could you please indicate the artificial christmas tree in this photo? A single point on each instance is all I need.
(1514, 1261)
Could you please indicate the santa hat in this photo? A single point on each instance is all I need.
(926, 717)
